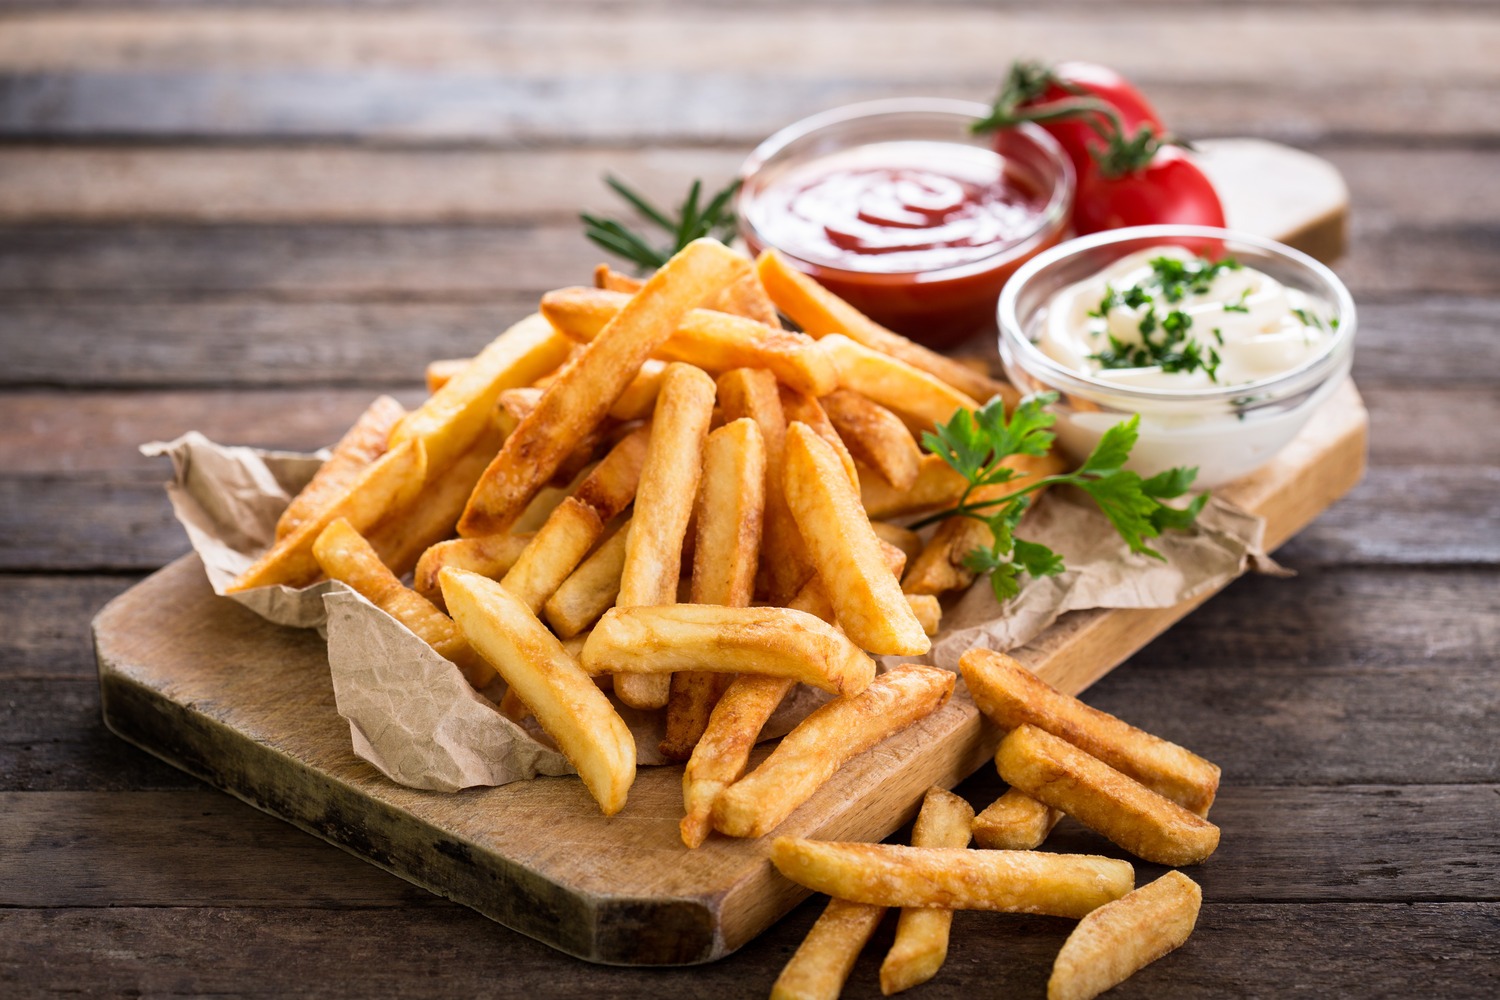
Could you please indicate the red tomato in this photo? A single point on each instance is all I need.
(1170, 189)
(1076, 136)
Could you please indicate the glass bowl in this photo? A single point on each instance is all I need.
(937, 305)
(1225, 432)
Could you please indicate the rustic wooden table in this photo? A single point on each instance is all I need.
(249, 217)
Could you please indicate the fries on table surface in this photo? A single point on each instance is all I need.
(920, 399)
(825, 958)
(937, 485)
(361, 444)
(875, 437)
(1120, 938)
(491, 555)
(591, 589)
(921, 944)
(1014, 822)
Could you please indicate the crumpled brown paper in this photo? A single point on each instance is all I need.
(413, 716)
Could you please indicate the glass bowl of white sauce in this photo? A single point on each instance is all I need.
(1224, 343)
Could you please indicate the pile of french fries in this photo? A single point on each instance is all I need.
(1059, 757)
(652, 488)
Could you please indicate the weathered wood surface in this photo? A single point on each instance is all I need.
(371, 201)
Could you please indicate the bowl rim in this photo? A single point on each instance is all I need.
(1043, 367)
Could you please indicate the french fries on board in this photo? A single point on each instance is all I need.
(1056, 773)
(937, 485)
(955, 878)
(565, 701)
(921, 944)
(824, 959)
(492, 556)
(1014, 822)
(591, 589)
(1120, 938)
(1010, 695)
(360, 445)
(919, 398)
(875, 437)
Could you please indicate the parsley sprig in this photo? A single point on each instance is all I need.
(692, 221)
(977, 445)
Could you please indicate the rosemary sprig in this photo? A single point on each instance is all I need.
(692, 221)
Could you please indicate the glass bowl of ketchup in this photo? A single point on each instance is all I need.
(898, 208)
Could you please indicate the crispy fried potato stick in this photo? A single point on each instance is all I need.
(820, 312)
(752, 392)
(568, 705)
(731, 499)
(614, 281)
(929, 612)
(491, 556)
(826, 956)
(802, 408)
(714, 341)
(639, 397)
(909, 542)
(585, 390)
(389, 483)
(345, 555)
(360, 445)
(875, 436)
(937, 485)
(1012, 696)
(1058, 885)
(443, 371)
(940, 568)
(1055, 772)
(663, 507)
(921, 944)
(592, 588)
(1119, 939)
(823, 742)
(843, 548)
(1014, 822)
(773, 642)
(454, 417)
(920, 399)
(747, 297)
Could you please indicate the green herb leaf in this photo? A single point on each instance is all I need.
(1036, 559)
(692, 222)
(1113, 449)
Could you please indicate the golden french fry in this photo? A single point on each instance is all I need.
(826, 956)
(1055, 772)
(581, 395)
(921, 944)
(802, 408)
(714, 341)
(940, 568)
(820, 312)
(663, 506)
(639, 397)
(1014, 822)
(845, 551)
(538, 510)
(514, 405)
(928, 611)
(774, 642)
(345, 555)
(491, 556)
(360, 445)
(752, 392)
(937, 486)
(1120, 938)
(388, 483)
(591, 589)
(605, 277)
(512, 707)
(568, 705)
(746, 297)
(823, 742)
(731, 498)
(875, 436)
(920, 399)
(1058, 885)
(455, 416)
(909, 542)
(444, 370)
(1012, 696)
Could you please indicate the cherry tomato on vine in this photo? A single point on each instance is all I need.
(1169, 189)
(1079, 136)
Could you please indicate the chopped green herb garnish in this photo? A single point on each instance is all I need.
(1240, 306)
(1171, 280)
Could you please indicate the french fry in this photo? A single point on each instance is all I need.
(515, 405)
(389, 483)
(455, 416)
(1120, 938)
(820, 312)
(752, 392)
(826, 956)
(937, 485)
(568, 705)
(956, 878)
(929, 612)
(921, 944)
(802, 408)
(1014, 822)
(747, 297)
(360, 445)
(664, 504)
(586, 389)
(605, 277)
(731, 498)
(714, 341)
(345, 555)
(940, 568)
(909, 542)
(444, 370)
(1012, 696)
(491, 556)
(1055, 772)
(774, 642)
(639, 397)
(875, 436)
(591, 590)
(920, 399)
(843, 548)
(823, 742)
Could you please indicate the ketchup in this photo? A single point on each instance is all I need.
(918, 235)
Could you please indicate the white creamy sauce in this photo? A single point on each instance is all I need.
(1242, 325)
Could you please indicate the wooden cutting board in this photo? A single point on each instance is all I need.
(248, 707)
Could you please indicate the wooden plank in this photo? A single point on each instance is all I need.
(40, 635)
